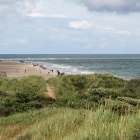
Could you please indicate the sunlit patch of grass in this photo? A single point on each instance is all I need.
(69, 124)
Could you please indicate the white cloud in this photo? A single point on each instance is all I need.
(58, 16)
(35, 14)
(123, 32)
(80, 24)
(25, 24)
(16, 7)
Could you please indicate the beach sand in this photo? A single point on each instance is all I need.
(15, 69)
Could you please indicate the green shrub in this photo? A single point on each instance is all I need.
(23, 102)
(26, 137)
(79, 81)
(25, 84)
(8, 102)
(108, 81)
(119, 107)
(3, 95)
(35, 104)
(24, 94)
(133, 87)
(6, 111)
(27, 97)
(135, 102)
(103, 93)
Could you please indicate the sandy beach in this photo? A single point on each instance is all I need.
(15, 69)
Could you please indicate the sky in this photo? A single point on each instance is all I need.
(70, 27)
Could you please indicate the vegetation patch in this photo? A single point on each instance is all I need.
(82, 104)
(91, 91)
(21, 95)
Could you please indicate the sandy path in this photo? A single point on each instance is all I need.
(50, 92)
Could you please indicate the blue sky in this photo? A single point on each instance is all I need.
(70, 27)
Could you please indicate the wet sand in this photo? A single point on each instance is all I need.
(18, 69)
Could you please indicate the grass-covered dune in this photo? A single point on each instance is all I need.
(87, 107)
(19, 95)
(91, 91)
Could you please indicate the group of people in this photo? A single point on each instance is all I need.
(43, 67)
(58, 72)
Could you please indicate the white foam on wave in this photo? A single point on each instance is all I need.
(63, 68)
(86, 72)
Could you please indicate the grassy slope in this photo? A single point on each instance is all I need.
(91, 91)
(89, 107)
(68, 124)
(21, 95)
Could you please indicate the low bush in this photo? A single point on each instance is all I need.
(3, 95)
(35, 104)
(22, 95)
(25, 137)
(108, 81)
(6, 111)
(135, 102)
(119, 107)
(103, 93)
(133, 87)
(24, 101)
(25, 84)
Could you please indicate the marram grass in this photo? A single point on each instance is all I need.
(69, 124)
(87, 107)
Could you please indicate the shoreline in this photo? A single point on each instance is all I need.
(16, 69)
(123, 66)
(45, 73)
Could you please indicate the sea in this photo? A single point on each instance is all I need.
(126, 66)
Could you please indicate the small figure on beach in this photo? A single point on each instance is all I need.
(39, 70)
(58, 73)
(25, 71)
(51, 71)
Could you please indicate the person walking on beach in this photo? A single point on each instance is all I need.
(58, 73)
(39, 70)
(25, 71)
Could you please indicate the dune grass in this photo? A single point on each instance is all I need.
(91, 91)
(25, 84)
(69, 124)
(87, 107)
(19, 95)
